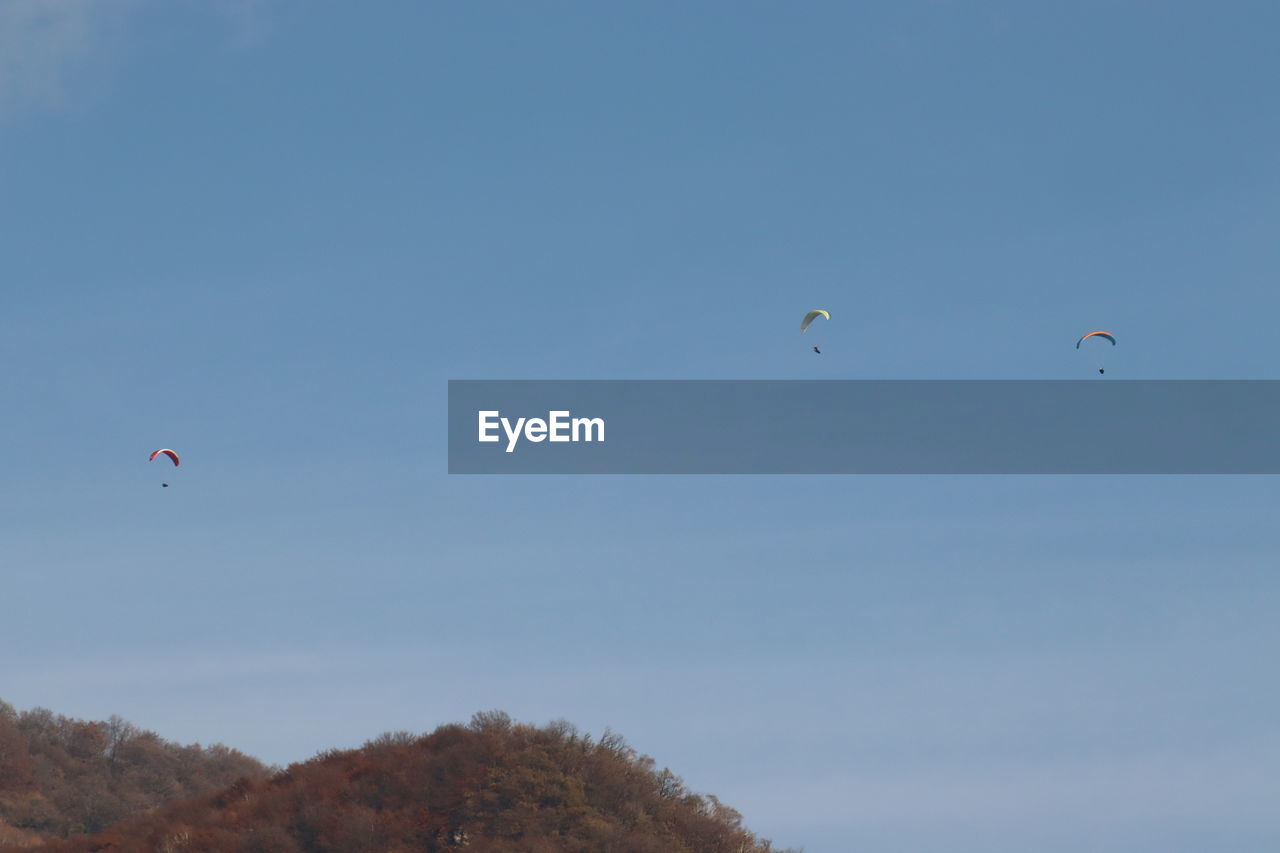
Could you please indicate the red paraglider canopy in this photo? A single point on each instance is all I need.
(166, 452)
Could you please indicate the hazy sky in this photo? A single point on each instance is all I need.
(267, 233)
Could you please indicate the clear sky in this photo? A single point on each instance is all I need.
(267, 233)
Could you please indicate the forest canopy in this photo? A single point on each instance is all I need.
(491, 786)
(61, 776)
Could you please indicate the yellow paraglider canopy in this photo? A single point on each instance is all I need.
(811, 316)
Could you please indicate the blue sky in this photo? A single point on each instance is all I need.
(267, 233)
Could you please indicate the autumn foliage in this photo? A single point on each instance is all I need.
(492, 786)
(61, 776)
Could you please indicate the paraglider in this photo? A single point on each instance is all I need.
(809, 318)
(1106, 336)
(167, 452)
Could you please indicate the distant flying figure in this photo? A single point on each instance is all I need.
(809, 318)
(173, 457)
(1100, 336)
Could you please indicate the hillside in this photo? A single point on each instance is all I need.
(61, 776)
(492, 786)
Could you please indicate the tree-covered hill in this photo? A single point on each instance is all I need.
(492, 786)
(61, 776)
